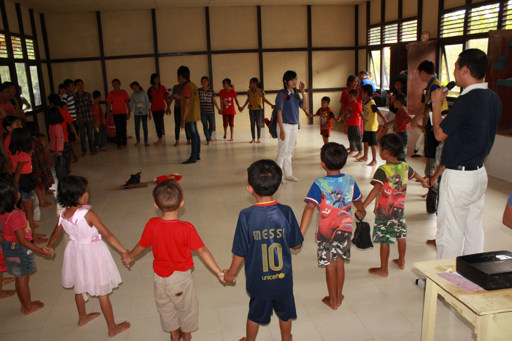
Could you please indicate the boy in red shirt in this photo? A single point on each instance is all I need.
(228, 112)
(354, 118)
(401, 123)
(326, 119)
(119, 110)
(173, 241)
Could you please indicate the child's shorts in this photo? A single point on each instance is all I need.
(228, 120)
(176, 302)
(27, 196)
(18, 260)
(387, 230)
(260, 311)
(340, 247)
(370, 137)
(325, 132)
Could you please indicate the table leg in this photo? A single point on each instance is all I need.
(428, 323)
(494, 327)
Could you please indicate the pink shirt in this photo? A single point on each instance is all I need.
(56, 138)
(13, 221)
(19, 157)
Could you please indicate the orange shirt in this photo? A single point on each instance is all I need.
(67, 120)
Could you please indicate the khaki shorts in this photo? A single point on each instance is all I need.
(176, 302)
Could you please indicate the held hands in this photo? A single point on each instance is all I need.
(126, 258)
(361, 214)
(220, 276)
(49, 252)
(228, 278)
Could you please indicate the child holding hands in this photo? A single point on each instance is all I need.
(401, 122)
(264, 235)
(173, 241)
(353, 117)
(88, 265)
(228, 97)
(390, 186)
(326, 119)
(333, 195)
(255, 99)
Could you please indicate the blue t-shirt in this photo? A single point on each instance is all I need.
(289, 103)
(368, 81)
(334, 195)
(263, 237)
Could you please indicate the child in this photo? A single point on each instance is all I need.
(88, 265)
(56, 133)
(371, 125)
(390, 186)
(264, 234)
(41, 165)
(117, 108)
(255, 99)
(159, 98)
(401, 123)
(333, 195)
(326, 119)
(100, 130)
(207, 102)
(3, 268)
(9, 123)
(139, 104)
(17, 245)
(353, 118)
(173, 241)
(228, 112)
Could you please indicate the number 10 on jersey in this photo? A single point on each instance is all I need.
(269, 254)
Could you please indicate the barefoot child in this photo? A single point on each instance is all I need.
(173, 241)
(333, 195)
(326, 119)
(353, 116)
(255, 99)
(17, 245)
(139, 105)
(401, 122)
(390, 186)
(264, 235)
(371, 125)
(227, 98)
(88, 265)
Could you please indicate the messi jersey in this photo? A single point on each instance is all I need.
(263, 237)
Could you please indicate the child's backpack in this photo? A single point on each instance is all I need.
(362, 235)
(272, 123)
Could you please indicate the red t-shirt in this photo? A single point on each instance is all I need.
(344, 96)
(227, 99)
(157, 98)
(402, 121)
(67, 120)
(118, 100)
(22, 157)
(352, 114)
(173, 241)
(13, 221)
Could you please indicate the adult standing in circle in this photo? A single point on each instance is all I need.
(158, 97)
(190, 112)
(468, 132)
(288, 102)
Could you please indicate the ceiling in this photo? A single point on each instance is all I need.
(117, 5)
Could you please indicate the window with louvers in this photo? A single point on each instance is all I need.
(452, 24)
(483, 19)
(390, 35)
(409, 31)
(374, 36)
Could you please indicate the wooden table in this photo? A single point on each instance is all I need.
(490, 312)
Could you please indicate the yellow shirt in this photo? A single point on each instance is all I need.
(255, 97)
(444, 104)
(194, 113)
(370, 116)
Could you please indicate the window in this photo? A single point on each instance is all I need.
(374, 36)
(17, 49)
(390, 34)
(375, 66)
(386, 64)
(507, 20)
(483, 19)
(3, 47)
(31, 53)
(409, 31)
(35, 84)
(449, 56)
(481, 44)
(21, 73)
(5, 74)
(452, 24)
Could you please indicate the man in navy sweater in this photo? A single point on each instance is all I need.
(468, 133)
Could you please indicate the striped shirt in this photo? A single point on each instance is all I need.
(70, 100)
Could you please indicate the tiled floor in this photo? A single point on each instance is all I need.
(374, 308)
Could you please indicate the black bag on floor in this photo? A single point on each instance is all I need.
(362, 234)
(432, 196)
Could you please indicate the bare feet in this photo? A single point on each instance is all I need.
(259, 141)
(212, 139)
(224, 136)
(373, 163)
(177, 144)
(207, 143)
(330, 303)
(34, 306)
(358, 155)
(87, 318)
(401, 264)
(6, 293)
(431, 242)
(231, 139)
(251, 141)
(362, 159)
(158, 143)
(118, 328)
(137, 144)
(340, 300)
(242, 339)
(351, 152)
(378, 272)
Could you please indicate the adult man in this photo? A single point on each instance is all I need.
(69, 98)
(363, 77)
(84, 117)
(468, 133)
(190, 112)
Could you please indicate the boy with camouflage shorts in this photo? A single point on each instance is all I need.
(333, 195)
(390, 186)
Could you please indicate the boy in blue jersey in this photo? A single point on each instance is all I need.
(333, 195)
(264, 235)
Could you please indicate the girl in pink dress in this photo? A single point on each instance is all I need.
(88, 265)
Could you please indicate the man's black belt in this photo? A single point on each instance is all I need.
(466, 168)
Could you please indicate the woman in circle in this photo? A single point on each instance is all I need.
(288, 102)
(158, 97)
